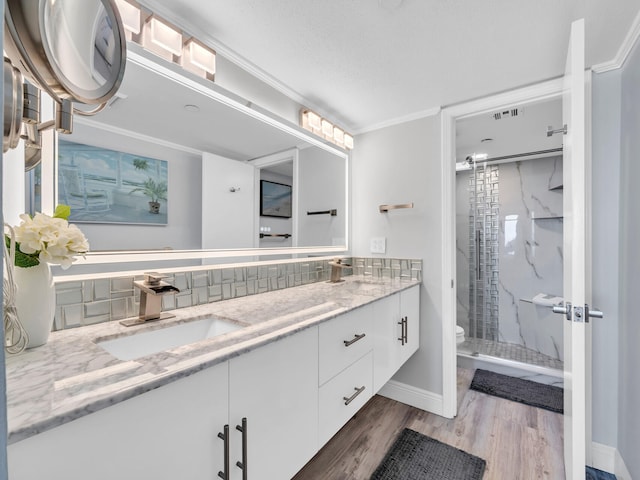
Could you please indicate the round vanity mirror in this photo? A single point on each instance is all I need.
(73, 49)
(13, 106)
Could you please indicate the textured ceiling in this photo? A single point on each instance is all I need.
(362, 63)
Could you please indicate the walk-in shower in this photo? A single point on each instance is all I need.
(509, 259)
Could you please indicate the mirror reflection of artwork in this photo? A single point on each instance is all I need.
(106, 186)
(275, 199)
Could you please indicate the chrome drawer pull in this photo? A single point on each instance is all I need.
(356, 338)
(348, 400)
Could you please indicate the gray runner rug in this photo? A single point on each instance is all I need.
(414, 456)
(520, 390)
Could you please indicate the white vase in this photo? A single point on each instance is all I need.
(35, 302)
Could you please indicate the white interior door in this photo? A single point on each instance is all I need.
(227, 203)
(575, 266)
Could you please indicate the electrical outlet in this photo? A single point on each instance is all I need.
(378, 245)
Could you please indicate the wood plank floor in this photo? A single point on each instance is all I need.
(518, 442)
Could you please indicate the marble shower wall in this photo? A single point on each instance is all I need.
(530, 252)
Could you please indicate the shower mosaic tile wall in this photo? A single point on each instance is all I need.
(87, 302)
(484, 254)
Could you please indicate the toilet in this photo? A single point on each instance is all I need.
(459, 334)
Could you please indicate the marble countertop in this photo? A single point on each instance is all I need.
(72, 376)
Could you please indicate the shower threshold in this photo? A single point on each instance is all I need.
(508, 351)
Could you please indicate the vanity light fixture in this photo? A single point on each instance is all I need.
(322, 127)
(164, 36)
(199, 56)
(338, 136)
(327, 129)
(130, 15)
(311, 121)
(159, 36)
(348, 141)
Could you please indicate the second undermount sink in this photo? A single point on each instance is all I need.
(154, 341)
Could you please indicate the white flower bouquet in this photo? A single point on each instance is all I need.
(49, 239)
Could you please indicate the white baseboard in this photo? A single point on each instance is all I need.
(416, 397)
(603, 457)
(608, 459)
(621, 471)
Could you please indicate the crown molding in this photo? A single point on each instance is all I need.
(135, 135)
(397, 121)
(623, 52)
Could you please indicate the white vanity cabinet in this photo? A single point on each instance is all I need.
(172, 431)
(169, 432)
(275, 389)
(396, 333)
(281, 402)
(346, 368)
(344, 340)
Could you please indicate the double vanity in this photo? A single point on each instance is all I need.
(246, 388)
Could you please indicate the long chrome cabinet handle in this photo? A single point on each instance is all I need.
(224, 435)
(406, 329)
(355, 339)
(348, 400)
(401, 323)
(243, 465)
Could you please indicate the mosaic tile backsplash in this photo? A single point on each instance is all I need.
(87, 302)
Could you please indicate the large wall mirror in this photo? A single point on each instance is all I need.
(217, 153)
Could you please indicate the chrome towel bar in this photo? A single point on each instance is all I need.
(386, 208)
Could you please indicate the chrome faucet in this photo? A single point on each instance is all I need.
(152, 288)
(336, 270)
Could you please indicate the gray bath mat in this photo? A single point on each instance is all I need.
(595, 474)
(414, 456)
(520, 390)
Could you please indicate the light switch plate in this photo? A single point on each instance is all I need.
(378, 245)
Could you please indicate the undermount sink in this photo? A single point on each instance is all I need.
(154, 341)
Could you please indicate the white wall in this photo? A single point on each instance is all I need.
(629, 353)
(238, 81)
(606, 257)
(227, 217)
(13, 191)
(322, 187)
(401, 164)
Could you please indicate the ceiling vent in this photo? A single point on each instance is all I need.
(509, 113)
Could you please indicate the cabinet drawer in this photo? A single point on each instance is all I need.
(344, 340)
(343, 396)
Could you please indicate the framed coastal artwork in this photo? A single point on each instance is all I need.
(107, 186)
(275, 199)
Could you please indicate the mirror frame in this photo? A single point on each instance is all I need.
(213, 91)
